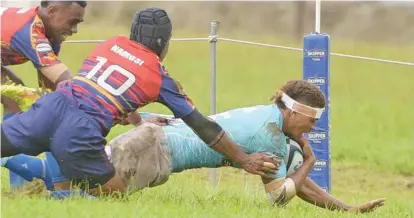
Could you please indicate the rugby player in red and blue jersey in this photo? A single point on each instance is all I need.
(120, 75)
(35, 34)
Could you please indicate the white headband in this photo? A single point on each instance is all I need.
(301, 108)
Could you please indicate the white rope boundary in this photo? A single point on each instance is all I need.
(216, 38)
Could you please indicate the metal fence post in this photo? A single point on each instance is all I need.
(213, 56)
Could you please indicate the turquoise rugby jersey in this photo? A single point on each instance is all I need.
(254, 129)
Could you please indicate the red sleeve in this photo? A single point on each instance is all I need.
(31, 41)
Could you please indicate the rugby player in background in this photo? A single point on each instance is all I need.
(35, 34)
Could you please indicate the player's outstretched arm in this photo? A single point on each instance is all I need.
(312, 193)
(173, 96)
(280, 192)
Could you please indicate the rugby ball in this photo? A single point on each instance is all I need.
(294, 156)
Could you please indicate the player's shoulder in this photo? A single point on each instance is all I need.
(273, 115)
(262, 110)
(118, 39)
(269, 135)
(16, 20)
(252, 115)
(18, 16)
(126, 44)
(260, 115)
(18, 12)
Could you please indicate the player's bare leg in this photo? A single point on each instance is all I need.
(113, 185)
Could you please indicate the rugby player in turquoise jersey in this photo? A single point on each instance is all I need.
(148, 154)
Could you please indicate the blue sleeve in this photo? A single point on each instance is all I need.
(172, 96)
(33, 44)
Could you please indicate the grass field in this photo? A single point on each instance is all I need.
(372, 131)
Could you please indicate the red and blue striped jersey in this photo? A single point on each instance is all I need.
(120, 76)
(23, 38)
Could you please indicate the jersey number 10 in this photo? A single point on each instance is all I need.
(101, 80)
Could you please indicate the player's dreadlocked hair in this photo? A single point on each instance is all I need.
(301, 91)
(83, 4)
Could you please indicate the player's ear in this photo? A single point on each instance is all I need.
(52, 10)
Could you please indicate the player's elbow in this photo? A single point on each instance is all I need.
(208, 130)
(56, 73)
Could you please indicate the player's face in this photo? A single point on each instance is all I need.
(300, 123)
(64, 20)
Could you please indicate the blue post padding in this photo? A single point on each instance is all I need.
(316, 69)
